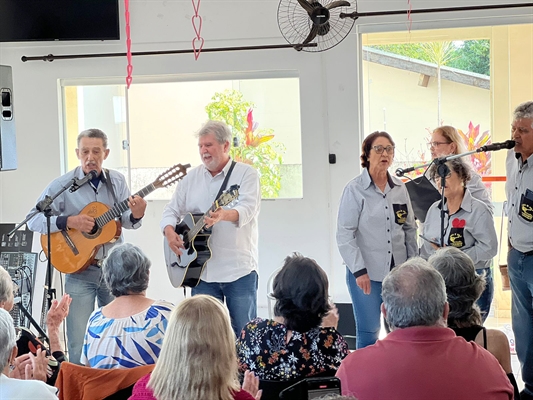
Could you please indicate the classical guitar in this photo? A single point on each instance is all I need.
(73, 250)
(185, 270)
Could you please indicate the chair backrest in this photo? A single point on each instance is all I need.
(272, 389)
(85, 383)
(346, 326)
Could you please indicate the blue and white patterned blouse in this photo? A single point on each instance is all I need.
(126, 342)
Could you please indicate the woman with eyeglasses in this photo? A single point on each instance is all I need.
(375, 231)
(468, 224)
(445, 141)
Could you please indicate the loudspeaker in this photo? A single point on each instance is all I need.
(8, 144)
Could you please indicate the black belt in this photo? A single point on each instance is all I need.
(527, 253)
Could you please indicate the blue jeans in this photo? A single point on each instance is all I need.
(84, 288)
(366, 310)
(520, 269)
(485, 299)
(240, 296)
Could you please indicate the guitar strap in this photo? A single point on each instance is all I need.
(110, 185)
(225, 183)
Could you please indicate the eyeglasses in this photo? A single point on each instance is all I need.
(380, 149)
(436, 144)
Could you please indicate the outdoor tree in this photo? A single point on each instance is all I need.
(252, 145)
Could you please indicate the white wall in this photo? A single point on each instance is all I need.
(330, 95)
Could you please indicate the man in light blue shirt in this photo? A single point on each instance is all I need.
(519, 190)
(109, 187)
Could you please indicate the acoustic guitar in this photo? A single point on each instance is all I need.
(73, 251)
(185, 270)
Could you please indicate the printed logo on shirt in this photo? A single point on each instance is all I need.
(526, 206)
(400, 213)
(456, 238)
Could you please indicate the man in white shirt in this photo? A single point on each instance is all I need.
(230, 274)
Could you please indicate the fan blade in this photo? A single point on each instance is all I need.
(306, 6)
(335, 4)
(312, 34)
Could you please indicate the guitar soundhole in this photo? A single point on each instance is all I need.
(94, 230)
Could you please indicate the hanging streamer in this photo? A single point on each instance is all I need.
(129, 69)
(409, 18)
(198, 40)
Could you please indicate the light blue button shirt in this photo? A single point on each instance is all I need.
(519, 180)
(372, 226)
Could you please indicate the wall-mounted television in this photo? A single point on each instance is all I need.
(49, 20)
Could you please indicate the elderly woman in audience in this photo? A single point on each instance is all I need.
(468, 224)
(55, 316)
(129, 331)
(302, 339)
(198, 358)
(463, 287)
(11, 388)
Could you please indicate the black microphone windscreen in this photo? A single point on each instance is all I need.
(510, 144)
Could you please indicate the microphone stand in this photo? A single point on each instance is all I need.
(44, 207)
(34, 323)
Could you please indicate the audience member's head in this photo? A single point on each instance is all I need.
(463, 285)
(198, 358)
(301, 292)
(6, 290)
(126, 270)
(414, 294)
(7, 339)
(335, 397)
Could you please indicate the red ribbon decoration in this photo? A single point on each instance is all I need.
(129, 69)
(198, 40)
(409, 9)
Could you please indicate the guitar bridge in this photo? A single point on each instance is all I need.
(70, 243)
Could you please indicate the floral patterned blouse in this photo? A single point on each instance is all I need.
(262, 348)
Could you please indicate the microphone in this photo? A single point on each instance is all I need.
(508, 144)
(80, 182)
(401, 171)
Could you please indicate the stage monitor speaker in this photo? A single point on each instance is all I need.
(8, 144)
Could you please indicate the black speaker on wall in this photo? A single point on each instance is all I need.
(8, 143)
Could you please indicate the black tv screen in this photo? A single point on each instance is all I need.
(47, 20)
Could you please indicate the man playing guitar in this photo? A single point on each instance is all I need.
(109, 187)
(230, 274)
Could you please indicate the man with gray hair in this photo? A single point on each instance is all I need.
(109, 187)
(421, 358)
(11, 388)
(519, 191)
(230, 274)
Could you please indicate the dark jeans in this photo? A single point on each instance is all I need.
(240, 296)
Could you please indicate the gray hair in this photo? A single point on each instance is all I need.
(524, 110)
(7, 337)
(463, 285)
(93, 133)
(6, 285)
(413, 295)
(457, 165)
(126, 270)
(219, 129)
(335, 397)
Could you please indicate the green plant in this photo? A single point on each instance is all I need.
(255, 146)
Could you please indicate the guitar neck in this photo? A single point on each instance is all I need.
(121, 207)
(201, 223)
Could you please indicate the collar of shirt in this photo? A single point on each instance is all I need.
(466, 204)
(421, 334)
(367, 179)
